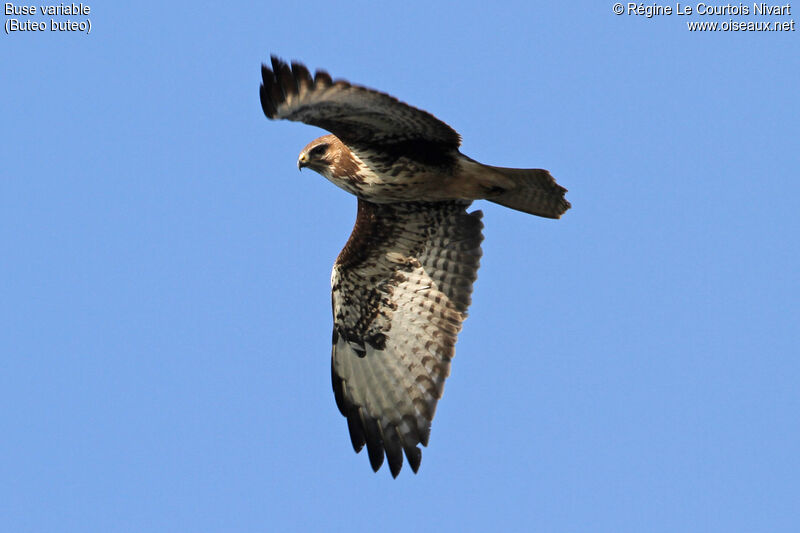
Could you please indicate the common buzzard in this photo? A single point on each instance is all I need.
(401, 286)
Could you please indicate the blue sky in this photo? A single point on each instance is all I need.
(165, 318)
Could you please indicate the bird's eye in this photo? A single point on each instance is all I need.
(318, 150)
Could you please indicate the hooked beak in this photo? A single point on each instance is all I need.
(302, 161)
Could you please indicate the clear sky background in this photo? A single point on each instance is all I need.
(165, 316)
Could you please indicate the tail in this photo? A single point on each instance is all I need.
(534, 191)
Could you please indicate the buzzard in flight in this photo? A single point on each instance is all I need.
(401, 285)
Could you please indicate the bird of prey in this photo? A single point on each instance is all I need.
(402, 284)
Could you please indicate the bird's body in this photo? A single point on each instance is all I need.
(411, 173)
(402, 284)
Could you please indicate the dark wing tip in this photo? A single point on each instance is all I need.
(297, 72)
(267, 104)
(322, 79)
(364, 429)
(266, 73)
(414, 456)
(302, 76)
(270, 91)
(279, 81)
(276, 62)
(265, 91)
(357, 438)
(393, 447)
(373, 438)
(286, 80)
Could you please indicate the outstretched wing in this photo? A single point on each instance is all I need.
(354, 114)
(401, 288)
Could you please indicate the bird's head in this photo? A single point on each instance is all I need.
(318, 155)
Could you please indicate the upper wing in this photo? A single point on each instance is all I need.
(401, 288)
(352, 113)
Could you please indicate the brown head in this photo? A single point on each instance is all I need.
(333, 159)
(321, 154)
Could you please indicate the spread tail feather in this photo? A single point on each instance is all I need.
(534, 191)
